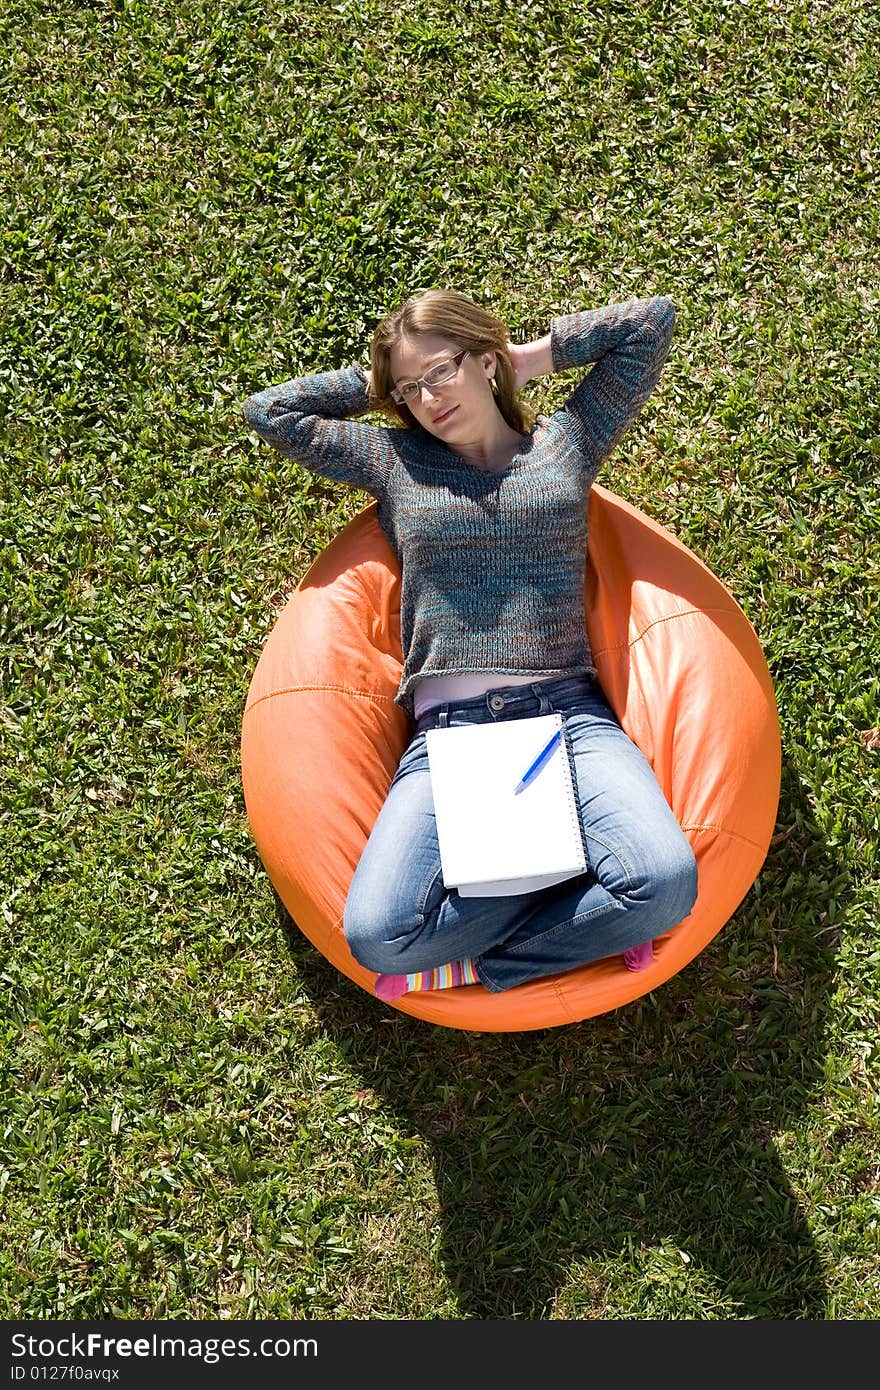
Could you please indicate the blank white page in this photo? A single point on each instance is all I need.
(491, 841)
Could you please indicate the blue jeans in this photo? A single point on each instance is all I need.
(642, 880)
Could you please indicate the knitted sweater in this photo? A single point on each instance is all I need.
(492, 564)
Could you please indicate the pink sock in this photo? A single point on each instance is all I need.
(639, 957)
(390, 987)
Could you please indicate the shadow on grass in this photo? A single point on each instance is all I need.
(630, 1158)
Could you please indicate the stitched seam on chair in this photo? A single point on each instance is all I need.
(557, 987)
(330, 689)
(722, 830)
(562, 1000)
(670, 617)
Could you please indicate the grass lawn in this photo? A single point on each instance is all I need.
(202, 1119)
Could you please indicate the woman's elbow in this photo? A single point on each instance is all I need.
(254, 411)
(666, 316)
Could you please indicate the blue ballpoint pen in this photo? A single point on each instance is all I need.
(538, 763)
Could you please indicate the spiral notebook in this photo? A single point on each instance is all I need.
(492, 840)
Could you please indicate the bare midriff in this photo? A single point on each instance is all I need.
(464, 685)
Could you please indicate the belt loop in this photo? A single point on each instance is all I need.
(540, 694)
(443, 716)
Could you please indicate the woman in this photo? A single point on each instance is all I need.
(486, 509)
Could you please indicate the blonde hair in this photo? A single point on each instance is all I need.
(464, 323)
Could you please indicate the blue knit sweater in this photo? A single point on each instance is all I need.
(493, 564)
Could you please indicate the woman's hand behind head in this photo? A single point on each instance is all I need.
(520, 363)
(531, 359)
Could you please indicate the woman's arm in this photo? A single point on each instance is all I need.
(309, 419)
(628, 343)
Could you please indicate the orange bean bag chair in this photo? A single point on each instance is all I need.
(679, 662)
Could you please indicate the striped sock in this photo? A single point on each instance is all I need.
(458, 972)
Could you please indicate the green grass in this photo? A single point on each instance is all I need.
(203, 1119)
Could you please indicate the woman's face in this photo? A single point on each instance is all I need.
(460, 408)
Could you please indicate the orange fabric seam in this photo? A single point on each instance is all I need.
(331, 689)
(731, 834)
(685, 613)
(560, 993)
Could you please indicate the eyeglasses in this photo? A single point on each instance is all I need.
(444, 371)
